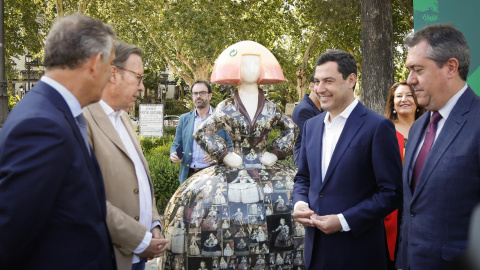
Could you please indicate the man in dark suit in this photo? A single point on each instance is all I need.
(306, 109)
(441, 175)
(194, 159)
(52, 206)
(349, 174)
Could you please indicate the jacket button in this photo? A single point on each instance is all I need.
(135, 191)
(321, 195)
(188, 165)
(189, 154)
(136, 218)
(412, 213)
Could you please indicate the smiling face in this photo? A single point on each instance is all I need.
(333, 92)
(403, 100)
(428, 80)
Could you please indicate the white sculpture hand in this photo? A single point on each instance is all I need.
(232, 160)
(268, 159)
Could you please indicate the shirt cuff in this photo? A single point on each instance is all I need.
(299, 203)
(155, 224)
(144, 244)
(343, 221)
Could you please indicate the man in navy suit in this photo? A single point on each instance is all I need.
(52, 206)
(441, 175)
(194, 159)
(306, 109)
(349, 174)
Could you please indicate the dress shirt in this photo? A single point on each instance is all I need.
(197, 152)
(331, 133)
(70, 99)
(444, 112)
(145, 194)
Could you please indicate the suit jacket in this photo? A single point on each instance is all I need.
(363, 182)
(52, 211)
(305, 110)
(436, 217)
(183, 136)
(121, 183)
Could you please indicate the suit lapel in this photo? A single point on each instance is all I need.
(451, 128)
(58, 101)
(352, 126)
(105, 125)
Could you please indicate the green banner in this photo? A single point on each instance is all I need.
(462, 14)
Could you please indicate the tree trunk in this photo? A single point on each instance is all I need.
(377, 53)
(82, 6)
(301, 71)
(59, 8)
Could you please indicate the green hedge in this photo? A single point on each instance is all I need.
(164, 173)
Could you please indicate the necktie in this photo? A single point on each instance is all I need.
(82, 125)
(425, 150)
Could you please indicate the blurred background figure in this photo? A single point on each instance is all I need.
(403, 109)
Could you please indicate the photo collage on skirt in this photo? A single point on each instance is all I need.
(235, 219)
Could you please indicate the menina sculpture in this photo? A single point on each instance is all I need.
(237, 215)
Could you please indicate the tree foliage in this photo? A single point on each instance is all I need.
(186, 36)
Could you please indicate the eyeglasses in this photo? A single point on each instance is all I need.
(139, 76)
(201, 94)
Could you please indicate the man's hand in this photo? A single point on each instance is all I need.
(159, 241)
(208, 160)
(302, 214)
(328, 224)
(174, 158)
(155, 249)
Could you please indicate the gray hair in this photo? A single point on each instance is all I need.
(123, 51)
(444, 42)
(74, 39)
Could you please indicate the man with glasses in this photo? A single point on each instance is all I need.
(194, 159)
(132, 216)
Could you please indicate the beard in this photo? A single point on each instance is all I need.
(201, 103)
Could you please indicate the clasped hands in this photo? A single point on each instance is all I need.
(233, 160)
(328, 224)
(157, 245)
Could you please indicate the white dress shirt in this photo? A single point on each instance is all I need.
(145, 194)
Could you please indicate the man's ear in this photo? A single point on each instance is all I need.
(114, 76)
(452, 67)
(93, 63)
(352, 80)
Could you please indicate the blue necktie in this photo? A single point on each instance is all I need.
(82, 125)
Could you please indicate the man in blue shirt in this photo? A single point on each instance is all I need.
(194, 159)
(306, 109)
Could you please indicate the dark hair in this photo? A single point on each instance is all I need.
(209, 87)
(390, 104)
(123, 51)
(74, 39)
(445, 42)
(312, 77)
(346, 62)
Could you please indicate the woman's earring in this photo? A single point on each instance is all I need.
(394, 112)
(418, 109)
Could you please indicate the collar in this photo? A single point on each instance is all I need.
(209, 112)
(448, 107)
(345, 114)
(109, 111)
(69, 98)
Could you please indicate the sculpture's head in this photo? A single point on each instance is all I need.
(244, 60)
